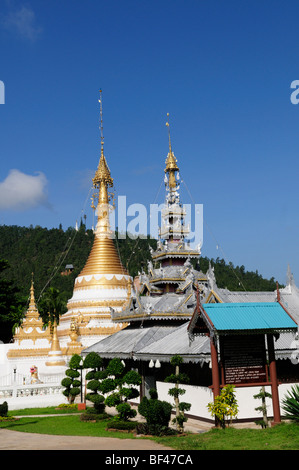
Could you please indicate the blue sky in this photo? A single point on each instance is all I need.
(223, 71)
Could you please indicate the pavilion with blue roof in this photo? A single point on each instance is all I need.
(248, 317)
(242, 336)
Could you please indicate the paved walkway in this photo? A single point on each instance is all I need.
(15, 440)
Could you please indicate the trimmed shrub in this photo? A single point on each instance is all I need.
(4, 409)
(122, 425)
(70, 382)
(123, 387)
(95, 362)
(125, 412)
(156, 412)
(154, 430)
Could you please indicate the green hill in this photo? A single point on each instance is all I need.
(46, 252)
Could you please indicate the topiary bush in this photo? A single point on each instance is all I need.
(122, 384)
(95, 362)
(177, 378)
(3, 409)
(70, 382)
(156, 412)
(125, 412)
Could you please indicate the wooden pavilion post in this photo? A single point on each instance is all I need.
(215, 374)
(215, 368)
(273, 379)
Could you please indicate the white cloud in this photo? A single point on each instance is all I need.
(23, 22)
(21, 192)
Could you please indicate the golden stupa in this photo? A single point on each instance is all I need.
(55, 354)
(103, 284)
(31, 339)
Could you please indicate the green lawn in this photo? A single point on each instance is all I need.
(281, 437)
(43, 411)
(64, 426)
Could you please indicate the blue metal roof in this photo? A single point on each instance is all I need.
(249, 316)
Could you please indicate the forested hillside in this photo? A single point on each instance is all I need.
(45, 253)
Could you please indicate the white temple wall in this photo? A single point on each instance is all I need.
(32, 396)
(4, 365)
(199, 397)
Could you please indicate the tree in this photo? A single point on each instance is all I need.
(122, 384)
(70, 382)
(263, 408)
(94, 376)
(52, 305)
(12, 305)
(175, 392)
(224, 405)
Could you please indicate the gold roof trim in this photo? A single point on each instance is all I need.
(101, 282)
(28, 352)
(95, 303)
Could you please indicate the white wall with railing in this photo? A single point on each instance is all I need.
(18, 391)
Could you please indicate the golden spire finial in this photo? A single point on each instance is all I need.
(102, 178)
(171, 161)
(101, 123)
(167, 124)
(32, 305)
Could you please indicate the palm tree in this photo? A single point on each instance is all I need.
(52, 305)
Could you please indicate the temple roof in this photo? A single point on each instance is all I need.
(154, 342)
(126, 342)
(169, 306)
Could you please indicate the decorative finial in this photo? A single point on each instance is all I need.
(101, 123)
(103, 173)
(171, 162)
(32, 304)
(167, 124)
